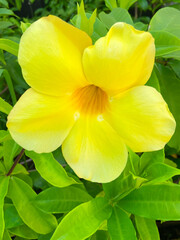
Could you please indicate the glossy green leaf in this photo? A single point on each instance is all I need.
(83, 220)
(153, 81)
(5, 24)
(4, 106)
(11, 216)
(161, 202)
(147, 228)
(170, 89)
(24, 26)
(120, 226)
(9, 46)
(4, 181)
(61, 200)
(24, 232)
(117, 15)
(19, 169)
(160, 172)
(100, 235)
(23, 196)
(50, 169)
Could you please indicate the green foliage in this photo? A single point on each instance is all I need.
(40, 191)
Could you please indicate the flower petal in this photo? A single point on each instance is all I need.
(120, 60)
(40, 122)
(142, 118)
(50, 55)
(94, 150)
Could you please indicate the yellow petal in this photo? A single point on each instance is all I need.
(50, 54)
(120, 60)
(142, 118)
(94, 150)
(40, 122)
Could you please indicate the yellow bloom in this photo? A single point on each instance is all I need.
(89, 98)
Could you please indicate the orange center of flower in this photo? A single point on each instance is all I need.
(90, 100)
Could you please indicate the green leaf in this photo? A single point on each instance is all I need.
(166, 44)
(24, 26)
(161, 202)
(111, 4)
(24, 232)
(83, 22)
(117, 15)
(126, 3)
(50, 169)
(6, 12)
(4, 135)
(4, 181)
(149, 158)
(5, 24)
(170, 89)
(83, 220)
(166, 19)
(6, 235)
(4, 106)
(61, 200)
(147, 228)
(153, 81)
(9, 46)
(11, 216)
(10, 150)
(160, 172)
(5, 3)
(23, 196)
(10, 85)
(19, 169)
(120, 226)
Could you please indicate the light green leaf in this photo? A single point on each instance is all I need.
(111, 4)
(50, 169)
(22, 197)
(117, 15)
(170, 89)
(24, 26)
(4, 135)
(120, 226)
(61, 200)
(9, 46)
(83, 220)
(147, 228)
(166, 44)
(11, 216)
(153, 81)
(160, 172)
(166, 19)
(6, 12)
(126, 3)
(83, 22)
(24, 232)
(19, 169)
(4, 106)
(4, 181)
(161, 202)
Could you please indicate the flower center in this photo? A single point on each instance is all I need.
(90, 100)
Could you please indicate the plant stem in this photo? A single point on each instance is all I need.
(15, 162)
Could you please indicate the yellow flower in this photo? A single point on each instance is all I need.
(89, 98)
